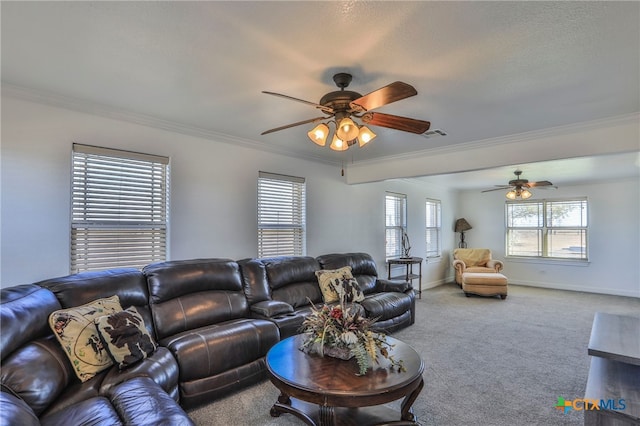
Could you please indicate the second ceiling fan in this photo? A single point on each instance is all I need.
(341, 106)
(519, 188)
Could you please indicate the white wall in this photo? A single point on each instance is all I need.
(213, 194)
(613, 240)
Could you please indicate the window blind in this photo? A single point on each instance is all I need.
(119, 211)
(281, 215)
(433, 228)
(395, 223)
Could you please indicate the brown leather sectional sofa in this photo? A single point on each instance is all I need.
(213, 320)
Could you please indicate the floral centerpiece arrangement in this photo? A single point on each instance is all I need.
(340, 331)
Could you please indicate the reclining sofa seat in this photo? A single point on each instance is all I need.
(391, 302)
(201, 314)
(39, 385)
(282, 289)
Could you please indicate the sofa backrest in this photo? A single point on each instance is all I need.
(292, 279)
(128, 283)
(187, 294)
(34, 365)
(363, 267)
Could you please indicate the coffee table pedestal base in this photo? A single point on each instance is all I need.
(318, 415)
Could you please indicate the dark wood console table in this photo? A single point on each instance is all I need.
(327, 391)
(409, 275)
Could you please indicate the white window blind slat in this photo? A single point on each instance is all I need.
(433, 228)
(119, 208)
(395, 223)
(281, 215)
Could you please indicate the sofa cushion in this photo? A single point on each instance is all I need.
(75, 330)
(17, 410)
(94, 411)
(384, 306)
(140, 401)
(160, 366)
(37, 372)
(24, 314)
(126, 337)
(207, 351)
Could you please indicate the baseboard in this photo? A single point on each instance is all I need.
(570, 287)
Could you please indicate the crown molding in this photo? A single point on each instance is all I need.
(631, 118)
(93, 108)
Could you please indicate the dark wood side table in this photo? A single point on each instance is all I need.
(409, 275)
(327, 391)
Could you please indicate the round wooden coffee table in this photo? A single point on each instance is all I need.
(327, 391)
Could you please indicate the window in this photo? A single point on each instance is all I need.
(395, 223)
(281, 215)
(119, 211)
(433, 228)
(548, 229)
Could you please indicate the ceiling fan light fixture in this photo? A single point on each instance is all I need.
(319, 134)
(347, 130)
(525, 194)
(511, 194)
(338, 144)
(365, 136)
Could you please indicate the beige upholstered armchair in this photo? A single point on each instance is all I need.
(474, 260)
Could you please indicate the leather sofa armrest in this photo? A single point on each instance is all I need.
(495, 264)
(141, 401)
(271, 308)
(396, 286)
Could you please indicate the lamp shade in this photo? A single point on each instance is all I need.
(347, 130)
(338, 144)
(462, 225)
(319, 134)
(365, 136)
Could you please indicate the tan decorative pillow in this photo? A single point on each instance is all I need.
(326, 280)
(126, 337)
(75, 330)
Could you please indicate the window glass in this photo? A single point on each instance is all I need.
(547, 228)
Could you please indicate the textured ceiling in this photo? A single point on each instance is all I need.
(482, 70)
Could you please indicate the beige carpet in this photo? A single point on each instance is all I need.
(488, 361)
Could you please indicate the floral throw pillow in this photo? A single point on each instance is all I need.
(75, 330)
(126, 337)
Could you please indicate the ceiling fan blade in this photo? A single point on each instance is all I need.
(383, 96)
(539, 184)
(299, 123)
(500, 188)
(291, 98)
(396, 122)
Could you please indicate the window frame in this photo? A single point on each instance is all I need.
(437, 204)
(546, 230)
(119, 213)
(272, 187)
(397, 228)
